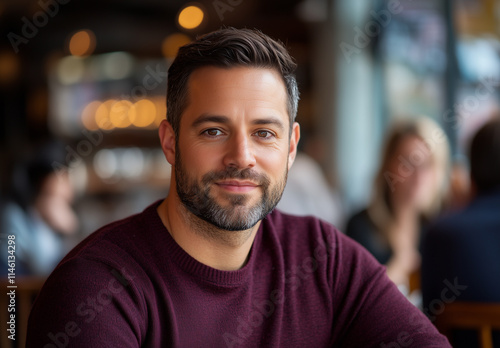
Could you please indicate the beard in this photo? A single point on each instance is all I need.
(239, 215)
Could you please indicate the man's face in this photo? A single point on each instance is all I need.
(234, 150)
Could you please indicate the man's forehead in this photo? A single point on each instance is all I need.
(239, 72)
(215, 83)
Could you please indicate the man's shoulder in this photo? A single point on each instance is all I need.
(309, 232)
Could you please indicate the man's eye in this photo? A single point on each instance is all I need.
(264, 134)
(212, 132)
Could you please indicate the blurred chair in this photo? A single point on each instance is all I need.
(26, 292)
(482, 317)
(414, 281)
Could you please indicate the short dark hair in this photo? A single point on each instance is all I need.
(484, 156)
(227, 48)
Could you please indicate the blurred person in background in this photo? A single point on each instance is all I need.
(464, 246)
(409, 189)
(307, 191)
(38, 211)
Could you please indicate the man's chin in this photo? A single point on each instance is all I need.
(237, 200)
(235, 218)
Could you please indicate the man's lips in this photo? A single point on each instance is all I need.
(237, 186)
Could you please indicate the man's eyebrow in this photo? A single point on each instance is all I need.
(210, 118)
(206, 118)
(270, 121)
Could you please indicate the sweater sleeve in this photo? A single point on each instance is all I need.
(87, 303)
(370, 310)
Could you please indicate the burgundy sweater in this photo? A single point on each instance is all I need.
(305, 285)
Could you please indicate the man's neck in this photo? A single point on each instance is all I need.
(214, 247)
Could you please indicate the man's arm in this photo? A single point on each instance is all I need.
(371, 311)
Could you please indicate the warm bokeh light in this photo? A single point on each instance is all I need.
(102, 115)
(143, 113)
(88, 115)
(82, 43)
(171, 44)
(111, 114)
(119, 114)
(190, 17)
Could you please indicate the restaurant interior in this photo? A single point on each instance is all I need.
(70, 70)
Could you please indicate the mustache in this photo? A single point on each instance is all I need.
(235, 173)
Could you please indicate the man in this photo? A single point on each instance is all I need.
(464, 247)
(213, 265)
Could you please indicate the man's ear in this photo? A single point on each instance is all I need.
(294, 141)
(167, 140)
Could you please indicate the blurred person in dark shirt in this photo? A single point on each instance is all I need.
(38, 211)
(465, 245)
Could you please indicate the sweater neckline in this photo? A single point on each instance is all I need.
(189, 264)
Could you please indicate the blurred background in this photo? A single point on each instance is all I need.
(70, 70)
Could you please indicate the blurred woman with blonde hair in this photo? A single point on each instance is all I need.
(409, 189)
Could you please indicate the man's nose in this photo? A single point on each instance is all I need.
(240, 152)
